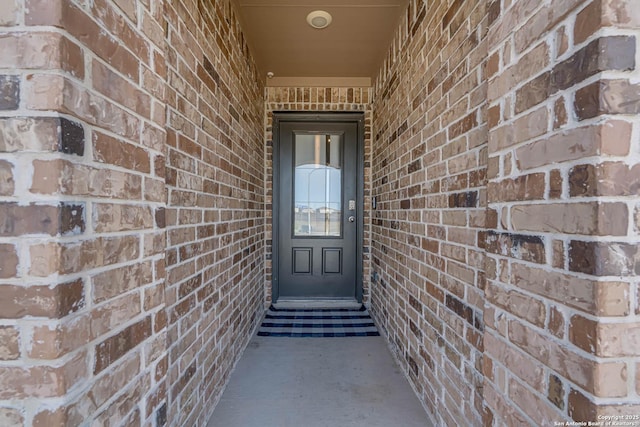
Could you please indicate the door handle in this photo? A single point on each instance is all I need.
(352, 218)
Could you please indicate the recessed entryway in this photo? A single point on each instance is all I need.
(318, 206)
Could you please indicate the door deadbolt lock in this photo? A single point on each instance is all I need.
(352, 218)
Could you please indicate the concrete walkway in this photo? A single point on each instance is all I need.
(318, 382)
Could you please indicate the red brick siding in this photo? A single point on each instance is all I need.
(82, 189)
(501, 143)
(561, 102)
(429, 160)
(215, 207)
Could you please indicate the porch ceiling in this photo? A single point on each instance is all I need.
(354, 45)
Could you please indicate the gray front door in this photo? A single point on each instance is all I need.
(318, 210)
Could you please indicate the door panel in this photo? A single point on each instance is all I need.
(302, 260)
(318, 170)
(332, 260)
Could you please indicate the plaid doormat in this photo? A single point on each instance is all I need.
(325, 322)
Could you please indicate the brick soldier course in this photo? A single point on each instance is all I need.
(502, 143)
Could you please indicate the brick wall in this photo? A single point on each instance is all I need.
(428, 174)
(327, 99)
(502, 143)
(90, 331)
(215, 209)
(82, 195)
(561, 317)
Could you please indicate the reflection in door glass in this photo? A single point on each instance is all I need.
(318, 185)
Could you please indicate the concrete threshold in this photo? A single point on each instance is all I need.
(316, 303)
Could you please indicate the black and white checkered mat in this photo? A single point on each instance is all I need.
(326, 322)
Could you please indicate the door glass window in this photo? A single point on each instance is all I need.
(318, 185)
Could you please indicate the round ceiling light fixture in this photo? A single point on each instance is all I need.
(319, 19)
